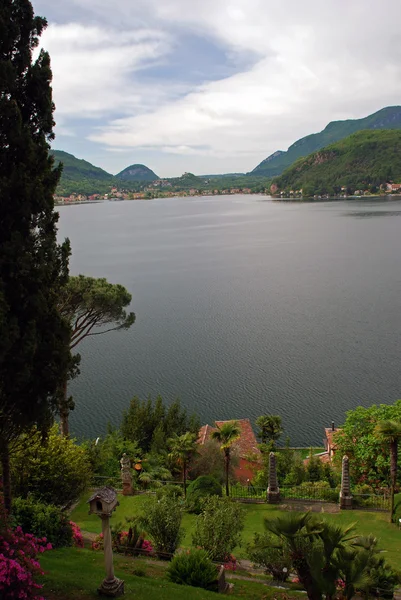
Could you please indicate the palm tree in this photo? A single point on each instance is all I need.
(299, 531)
(390, 431)
(270, 428)
(226, 435)
(182, 448)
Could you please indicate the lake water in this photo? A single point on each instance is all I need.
(244, 306)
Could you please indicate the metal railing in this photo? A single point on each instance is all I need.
(379, 502)
(310, 493)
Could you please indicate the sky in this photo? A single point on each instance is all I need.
(213, 86)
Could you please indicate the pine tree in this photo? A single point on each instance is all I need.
(34, 351)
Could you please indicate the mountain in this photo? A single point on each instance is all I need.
(74, 168)
(273, 165)
(187, 181)
(80, 175)
(137, 173)
(364, 160)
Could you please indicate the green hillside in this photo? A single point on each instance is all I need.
(275, 164)
(137, 173)
(81, 176)
(364, 160)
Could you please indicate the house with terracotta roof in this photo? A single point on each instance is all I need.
(329, 444)
(245, 448)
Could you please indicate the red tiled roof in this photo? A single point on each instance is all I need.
(323, 457)
(329, 436)
(245, 445)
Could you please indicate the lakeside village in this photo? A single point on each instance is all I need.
(161, 189)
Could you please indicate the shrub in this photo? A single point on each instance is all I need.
(218, 527)
(263, 552)
(170, 491)
(162, 520)
(18, 560)
(193, 568)
(43, 520)
(55, 470)
(201, 488)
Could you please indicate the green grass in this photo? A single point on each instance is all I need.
(375, 523)
(75, 574)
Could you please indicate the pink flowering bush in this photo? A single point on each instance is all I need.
(123, 543)
(77, 538)
(230, 562)
(18, 561)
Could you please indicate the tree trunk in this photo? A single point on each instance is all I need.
(5, 463)
(393, 474)
(306, 579)
(64, 411)
(393, 463)
(227, 467)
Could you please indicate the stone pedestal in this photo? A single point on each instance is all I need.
(273, 491)
(345, 493)
(112, 589)
(126, 476)
(111, 586)
(127, 488)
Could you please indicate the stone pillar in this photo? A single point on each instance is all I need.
(111, 586)
(345, 493)
(126, 476)
(273, 491)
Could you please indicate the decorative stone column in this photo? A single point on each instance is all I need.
(111, 586)
(126, 476)
(102, 503)
(345, 493)
(273, 491)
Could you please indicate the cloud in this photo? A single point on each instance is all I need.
(94, 68)
(312, 62)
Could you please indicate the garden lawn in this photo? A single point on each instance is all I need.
(75, 574)
(366, 523)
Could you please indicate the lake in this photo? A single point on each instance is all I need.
(244, 306)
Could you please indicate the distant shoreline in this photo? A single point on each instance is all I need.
(58, 203)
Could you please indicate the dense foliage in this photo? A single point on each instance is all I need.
(218, 527)
(162, 521)
(200, 488)
(19, 565)
(195, 568)
(151, 424)
(327, 557)
(34, 355)
(43, 520)
(364, 160)
(266, 551)
(275, 164)
(53, 470)
(368, 452)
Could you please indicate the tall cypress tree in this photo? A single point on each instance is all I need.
(34, 349)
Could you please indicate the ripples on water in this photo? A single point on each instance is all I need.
(244, 306)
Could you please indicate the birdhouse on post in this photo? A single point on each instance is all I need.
(102, 503)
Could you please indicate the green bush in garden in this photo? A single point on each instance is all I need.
(267, 551)
(193, 568)
(170, 491)
(43, 520)
(200, 488)
(162, 521)
(218, 527)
